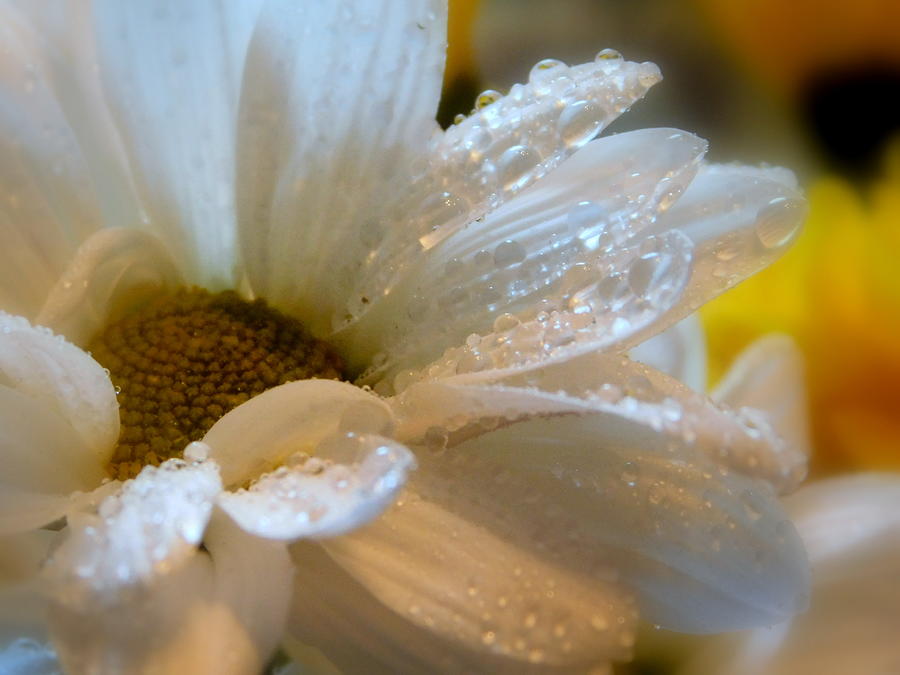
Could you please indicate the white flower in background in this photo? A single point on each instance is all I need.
(289, 152)
(851, 528)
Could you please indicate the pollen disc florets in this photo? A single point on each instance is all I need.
(183, 361)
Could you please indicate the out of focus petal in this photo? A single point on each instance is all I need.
(769, 377)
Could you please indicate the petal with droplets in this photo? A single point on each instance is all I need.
(219, 612)
(151, 525)
(740, 219)
(349, 479)
(260, 434)
(359, 633)
(499, 151)
(559, 246)
(704, 553)
(474, 588)
(704, 548)
(612, 385)
(608, 306)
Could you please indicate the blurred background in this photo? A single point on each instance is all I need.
(813, 85)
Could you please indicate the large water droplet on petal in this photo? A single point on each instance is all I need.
(578, 123)
(515, 166)
(779, 220)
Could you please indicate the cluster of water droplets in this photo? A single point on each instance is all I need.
(503, 147)
(347, 479)
(586, 304)
(148, 527)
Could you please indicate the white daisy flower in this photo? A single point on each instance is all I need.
(476, 289)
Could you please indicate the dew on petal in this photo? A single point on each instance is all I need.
(778, 221)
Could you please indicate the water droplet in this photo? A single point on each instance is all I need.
(545, 72)
(515, 166)
(459, 119)
(509, 253)
(778, 221)
(196, 451)
(578, 123)
(646, 273)
(486, 98)
(608, 55)
(506, 322)
(668, 193)
(639, 386)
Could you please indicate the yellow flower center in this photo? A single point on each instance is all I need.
(184, 360)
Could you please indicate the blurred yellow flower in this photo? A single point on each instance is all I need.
(838, 293)
(785, 44)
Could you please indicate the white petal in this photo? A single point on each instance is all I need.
(350, 479)
(841, 514)
(113, 270)
(740, 219)
(253, 579)
(493, 155)
(705, 549)
(63, 33)
(260, 434)
(64, 380)
(556, 247)
(769, 376)
(217, 613)
(679, 351)
(334, 612)
(852, 529)
(22, 510)
(39, 453)
(47, 206)
(152, 525)
(462, 581)
(21, 555)
(612, 385)
(171, 73)
(338, 98)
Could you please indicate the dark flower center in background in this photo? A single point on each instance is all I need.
(184, 360)
(853, 111)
